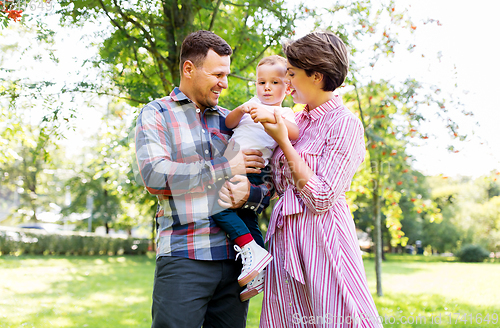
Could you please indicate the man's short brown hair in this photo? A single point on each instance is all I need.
(321, 52)
(196, 45)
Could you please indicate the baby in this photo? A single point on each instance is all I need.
(242, 227)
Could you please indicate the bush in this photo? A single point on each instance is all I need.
(16, 242)
(472, 253)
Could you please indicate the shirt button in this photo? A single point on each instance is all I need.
(203, 130)
(246, 206)
(209, 187)
(252, 207)
(206, 151)
(198, 110)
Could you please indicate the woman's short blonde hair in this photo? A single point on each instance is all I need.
(321, 52)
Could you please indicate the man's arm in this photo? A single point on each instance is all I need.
(240, 193)
(162, 175)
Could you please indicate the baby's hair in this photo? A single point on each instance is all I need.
(272, 60)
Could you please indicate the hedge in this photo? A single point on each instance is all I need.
(472, 253)
(17, 242)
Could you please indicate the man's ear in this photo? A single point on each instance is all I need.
(188, 68)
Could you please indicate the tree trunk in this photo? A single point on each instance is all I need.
(378, 237)
(153, 234)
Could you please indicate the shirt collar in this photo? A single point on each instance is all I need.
(319, 111)
(178, 95)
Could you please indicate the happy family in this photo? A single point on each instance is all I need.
(214, 170)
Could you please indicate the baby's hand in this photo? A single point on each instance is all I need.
(262, 115)
(245, 108)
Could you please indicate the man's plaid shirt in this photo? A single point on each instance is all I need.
(179, 152)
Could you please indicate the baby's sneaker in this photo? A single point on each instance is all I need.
(254, 259)
(254, 287)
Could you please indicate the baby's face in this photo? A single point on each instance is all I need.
(271, 86)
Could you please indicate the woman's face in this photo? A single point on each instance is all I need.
(303, 89)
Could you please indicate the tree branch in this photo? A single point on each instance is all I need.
(241, 77)
(153, 49)
(214, 14)
(361, 112)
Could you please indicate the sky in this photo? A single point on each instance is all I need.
(466, 41)
(468, 52)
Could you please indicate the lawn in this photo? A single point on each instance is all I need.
(116, 292)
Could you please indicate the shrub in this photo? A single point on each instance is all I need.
(17, 242)
(472, 253)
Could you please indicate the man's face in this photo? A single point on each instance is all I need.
(209, 79)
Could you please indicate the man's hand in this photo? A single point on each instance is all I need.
(243, 161)
(234, 193)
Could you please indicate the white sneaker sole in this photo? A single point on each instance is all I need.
(247, 294)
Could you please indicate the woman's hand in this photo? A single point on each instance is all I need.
(277, 130)
(262, 115)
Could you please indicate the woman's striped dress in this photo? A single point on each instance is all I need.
(317, 277)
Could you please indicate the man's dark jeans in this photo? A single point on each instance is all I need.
(191, 294)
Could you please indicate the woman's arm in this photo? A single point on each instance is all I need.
(293, 130)
(262, 115)
(334, 167)
(301, 172)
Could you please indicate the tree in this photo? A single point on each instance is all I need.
(142, 40)
(138, 58)
(391, 112)
(33, 119)
(104, 173)
(9, 11)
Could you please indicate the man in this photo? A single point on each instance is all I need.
(181, 152)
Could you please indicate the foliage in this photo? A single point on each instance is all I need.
(33, 119)
(9, 12)
(141, 40)
(472, 253)
(33, 243)
(391, 113)
(105, 174)
(471, 213)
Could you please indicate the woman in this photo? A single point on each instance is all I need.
(317, 277)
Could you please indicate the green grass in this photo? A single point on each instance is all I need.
(114, 292)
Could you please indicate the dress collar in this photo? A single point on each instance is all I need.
(324, 108)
